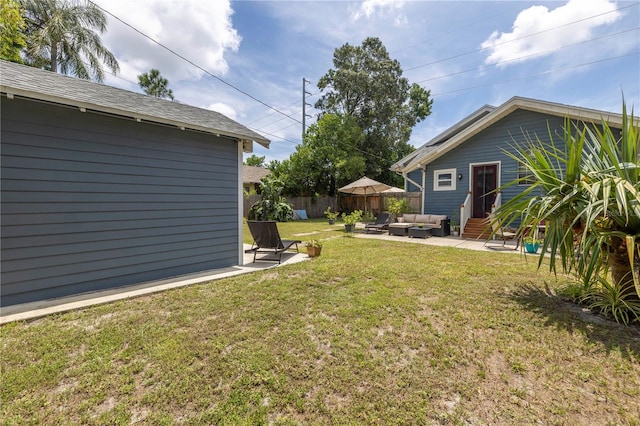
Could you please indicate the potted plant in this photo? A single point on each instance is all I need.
(331, 216)
(314, 247)
(351, 219)
(531, 245)
(453, 223)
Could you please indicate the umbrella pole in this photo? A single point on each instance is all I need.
(365, 201)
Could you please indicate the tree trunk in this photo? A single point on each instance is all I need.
(621, 271)
(54, 57)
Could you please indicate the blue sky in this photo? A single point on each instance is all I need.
(243, 57)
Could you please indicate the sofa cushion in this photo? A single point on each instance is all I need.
(400, 225)
(408, 218)
(438, 218)
(423, 218)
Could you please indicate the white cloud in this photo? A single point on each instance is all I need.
(200, 31)
(224, 109)
(550, 29)
(369, 8)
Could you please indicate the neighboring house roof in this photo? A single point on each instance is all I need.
(487, 116)
(252, 174)
(34, 83)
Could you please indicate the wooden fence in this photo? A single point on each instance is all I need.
(378, 202)
(315, 206)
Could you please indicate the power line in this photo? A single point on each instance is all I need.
(410, 69)
(456, 29)
(272, 112)
(193, 63)
(537, 74)
(280, 138)
(279, 120)
(286, 106)
(516, 39)
(482, 67)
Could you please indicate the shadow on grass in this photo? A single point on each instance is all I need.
(566, 315)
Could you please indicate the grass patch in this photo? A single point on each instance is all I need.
(372, 332)
(312, 229)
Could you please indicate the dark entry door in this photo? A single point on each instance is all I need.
(485, 179)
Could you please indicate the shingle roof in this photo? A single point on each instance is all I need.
(458, 134)
(34, 83)
(432, 144)
(252, 174)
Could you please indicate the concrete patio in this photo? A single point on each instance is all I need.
(449, 241)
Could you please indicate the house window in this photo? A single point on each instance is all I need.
(444, 180)
(525, 177)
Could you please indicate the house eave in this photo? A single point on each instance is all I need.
(515, 103)
(12, 93)
(411, 161)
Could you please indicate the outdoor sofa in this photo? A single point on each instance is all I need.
(438, 224)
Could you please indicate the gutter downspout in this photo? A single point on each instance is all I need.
(406, 177)
(424, 185)
(240, 145)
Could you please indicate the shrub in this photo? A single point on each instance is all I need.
(272, 206)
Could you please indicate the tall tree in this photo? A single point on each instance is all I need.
(155, 85)
(12, 25)
(255, 161)
(63, 36)
(368, 85)
(327, 158)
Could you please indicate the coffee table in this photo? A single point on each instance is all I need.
(417, 232)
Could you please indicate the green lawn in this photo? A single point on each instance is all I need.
(371, 332)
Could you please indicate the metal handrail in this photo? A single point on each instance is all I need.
(497, 202)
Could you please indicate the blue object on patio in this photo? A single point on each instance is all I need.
(300, 214)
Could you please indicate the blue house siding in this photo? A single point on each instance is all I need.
(415, 176)
(486, 147)
(92, 201)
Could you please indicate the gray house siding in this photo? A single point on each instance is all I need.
(486, 147)
(92, 201)
(415, 176)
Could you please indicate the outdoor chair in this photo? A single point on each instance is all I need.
(266, 239)
(504, 233)
(381, 223)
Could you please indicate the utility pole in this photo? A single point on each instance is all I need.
(304, 105)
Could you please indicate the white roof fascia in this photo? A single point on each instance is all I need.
(576, 113)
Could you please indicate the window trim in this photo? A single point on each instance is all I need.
(522, 171)
(437, 181)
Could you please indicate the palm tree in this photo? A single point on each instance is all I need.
(62, 37)
(587, 191)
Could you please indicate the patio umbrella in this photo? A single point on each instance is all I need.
(392, 190)
(364, 186)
